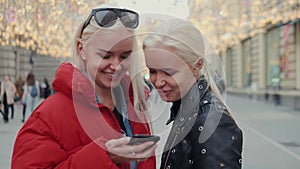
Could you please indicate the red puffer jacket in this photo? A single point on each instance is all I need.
(69, 129)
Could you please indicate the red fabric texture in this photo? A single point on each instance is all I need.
(69, 129)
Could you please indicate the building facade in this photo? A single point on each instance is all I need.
(17, 61)
(259, 44)
(266, 65)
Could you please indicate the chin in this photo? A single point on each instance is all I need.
(166, 99)
(115, 83)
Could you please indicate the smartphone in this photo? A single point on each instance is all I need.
(141, 138)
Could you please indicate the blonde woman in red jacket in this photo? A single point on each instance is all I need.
(88, 122)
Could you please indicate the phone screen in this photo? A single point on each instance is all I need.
(141, 138)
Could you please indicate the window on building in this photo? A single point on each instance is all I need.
(273, 58)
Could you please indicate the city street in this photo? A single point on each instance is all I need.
(271, 136)
(249, 48)
(8, 133)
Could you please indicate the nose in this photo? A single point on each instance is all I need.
(159, 80)
(116, 63)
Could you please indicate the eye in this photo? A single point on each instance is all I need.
(105, 56)
(169, 73)
(125, 55)
(152, 71)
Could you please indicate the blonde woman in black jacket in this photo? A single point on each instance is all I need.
(203, 135)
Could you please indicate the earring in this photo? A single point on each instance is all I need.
(195, 72)
(83, 58)
(82, 55)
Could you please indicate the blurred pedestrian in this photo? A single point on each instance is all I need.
(30, 96)
(45, 89)
(19, 86)
(8, 92)
(1, 107)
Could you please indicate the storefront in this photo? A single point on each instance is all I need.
(270, 63)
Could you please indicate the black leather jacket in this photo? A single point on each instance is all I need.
(203, 135)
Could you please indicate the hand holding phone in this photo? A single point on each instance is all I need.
(141, 138)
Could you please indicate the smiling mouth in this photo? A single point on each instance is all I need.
(112, 75)
(164, 93)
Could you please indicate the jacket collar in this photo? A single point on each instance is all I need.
(184, 107)
(73, 83)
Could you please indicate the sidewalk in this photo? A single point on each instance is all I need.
(271, 136)
(8, 134)
(271, 133)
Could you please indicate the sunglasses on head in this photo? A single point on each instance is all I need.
(107, 17)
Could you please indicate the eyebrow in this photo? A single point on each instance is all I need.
(130, 51)
(164, 69)
(109, 52)
(102, 50)
(167, 69)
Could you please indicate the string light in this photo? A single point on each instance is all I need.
(46, 25)
(43, 26)
(228, 22)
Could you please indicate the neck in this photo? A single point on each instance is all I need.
(106, 97)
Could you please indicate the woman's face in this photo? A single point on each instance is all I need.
(168, 73)
(107, 57)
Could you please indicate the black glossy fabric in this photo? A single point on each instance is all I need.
(203, 134)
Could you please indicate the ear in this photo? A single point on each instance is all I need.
(199, 64)
(80, 50)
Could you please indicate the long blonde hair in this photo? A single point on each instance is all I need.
(138, 84)
(189, 44)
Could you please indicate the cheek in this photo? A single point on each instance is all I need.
(179, 82)
(184, 85)
(125, 64)
(91, 58)
(172, 82)
(152, 78)
(93, 67)
(94, 64)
